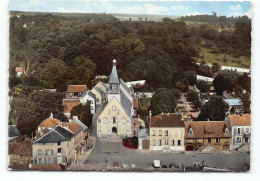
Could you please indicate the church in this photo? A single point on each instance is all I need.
(115, 118)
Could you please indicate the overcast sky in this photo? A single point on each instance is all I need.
(181, 8)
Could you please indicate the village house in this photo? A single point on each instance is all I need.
(20, 151)
(54, 147)
(143, 139)
(91, 98)
(46, 125)
(100, 92)
(137, 124)
(167, 132)
(241, 131)
(19, 71)
(115, 118)
(75, 91)
(201, 133)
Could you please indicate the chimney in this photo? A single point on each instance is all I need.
(208, 119)
(168, 114)
(150, 114)
(51, 115)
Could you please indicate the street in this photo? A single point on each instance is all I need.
(115, 152)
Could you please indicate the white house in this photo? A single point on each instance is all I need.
(241, 131)
(91, 98)
(207, 79)
(133, 83)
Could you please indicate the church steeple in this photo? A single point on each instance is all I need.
(114, 77)
(114, 86)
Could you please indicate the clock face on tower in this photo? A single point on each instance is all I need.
(113, 108)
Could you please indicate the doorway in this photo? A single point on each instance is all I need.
(114, 130)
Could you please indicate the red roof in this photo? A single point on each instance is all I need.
(240, 120)
(49, 122)
(76, 88)
(206, 129)
(166, 120)
(20, 146)
(69, 104)
(74, 127)
(18, 69)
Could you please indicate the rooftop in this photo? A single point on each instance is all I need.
(49, 122)
(18, 69)
(166, 120)
(68, 104)
(240, 120)
(206, 129)
(76, 88)
(13, 131)
(113, 76)
(20, 146)
(233, 102)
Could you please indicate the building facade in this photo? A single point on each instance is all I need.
(204, 133)
(91, 98)
(241, 131)
(115, 118)
(167, 132)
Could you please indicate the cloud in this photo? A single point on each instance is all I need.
(235, 7)
(34, 3)
(70, 10)
(178, 8)
(154, 9)
(136, 9)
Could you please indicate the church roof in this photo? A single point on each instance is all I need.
(126, 103)
(123, 84)
(113, 79)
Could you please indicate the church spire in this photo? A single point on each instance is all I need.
(114, 77)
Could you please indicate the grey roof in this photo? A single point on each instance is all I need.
(99, 90)
(58, 134)
(91, 94)
(123, 84)
(142, 133)
(113, 79)
(126, 103)
(84, 127)
(13, 131)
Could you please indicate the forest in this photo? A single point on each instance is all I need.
(57, 50)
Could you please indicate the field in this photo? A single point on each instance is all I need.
(223, 59)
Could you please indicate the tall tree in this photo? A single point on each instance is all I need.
(163, 101)
(214, 110)
(84, 114)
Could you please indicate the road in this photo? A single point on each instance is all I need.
(95, 118)
(115, 152)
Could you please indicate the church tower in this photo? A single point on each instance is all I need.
(113, 84)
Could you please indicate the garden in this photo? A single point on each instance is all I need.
(130, 142)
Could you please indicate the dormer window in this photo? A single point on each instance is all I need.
(190, 131)
(226, 131)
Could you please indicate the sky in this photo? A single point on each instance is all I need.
(181, 8)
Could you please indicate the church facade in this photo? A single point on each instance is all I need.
(115, 118)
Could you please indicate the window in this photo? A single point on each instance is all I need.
(247, 130)
(190, 131)
(153, 132)
(160, 142)
(160, 132)
(217, 140)
(40, 152)
(209, 140)
(134, 133)
(166, 142)
(172, 142)
(39, 161)
(114, 120)
(59, 150)
(134, 124)
(48, 152)
(58, 143)
(246, 140)
(91, 108)
(226, 131)
(238, 140)
(238, 130)
(104, 120)
(166, 132)
(179, 142)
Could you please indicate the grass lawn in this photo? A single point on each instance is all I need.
(210, 58)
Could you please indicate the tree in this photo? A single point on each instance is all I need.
(53, 74)
(29, 67)
(203, 86)
(176, 93)
(163, 101)
(192, 96)
(222, 84)
(84, 114)
(214, 110)
(245, 81)
(215, 67)
(246, 102)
